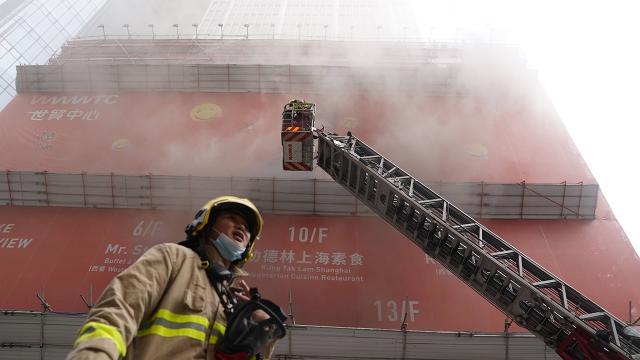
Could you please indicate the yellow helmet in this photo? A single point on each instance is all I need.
(207, 214)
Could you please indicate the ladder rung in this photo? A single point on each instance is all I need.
(500, 254)
(464, 226)
(427, 202)
(369, 157)
(546, 283)
(399, 178)
(389, 172)
(595, 315)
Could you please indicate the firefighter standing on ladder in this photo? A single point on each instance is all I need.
(176, 301)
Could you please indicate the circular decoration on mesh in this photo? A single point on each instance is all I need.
(205, 112)
(121, 144)
(478, 150)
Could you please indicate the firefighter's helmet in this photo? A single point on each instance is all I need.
(206, 216)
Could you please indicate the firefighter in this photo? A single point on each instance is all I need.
(180, 301)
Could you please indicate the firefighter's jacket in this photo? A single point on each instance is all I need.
(161, 307)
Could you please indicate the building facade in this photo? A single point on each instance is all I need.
(32, 31)
(112, 146)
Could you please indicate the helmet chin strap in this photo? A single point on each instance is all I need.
(220, 278)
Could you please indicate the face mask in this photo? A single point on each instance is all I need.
(228, 248)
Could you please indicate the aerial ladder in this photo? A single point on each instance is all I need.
(534, 298)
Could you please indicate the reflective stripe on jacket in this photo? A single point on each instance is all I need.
(161, 307)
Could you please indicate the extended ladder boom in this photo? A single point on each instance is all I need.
(533, 297)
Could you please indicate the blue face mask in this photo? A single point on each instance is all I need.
(228, 248)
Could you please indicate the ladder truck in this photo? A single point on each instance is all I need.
(534, 298)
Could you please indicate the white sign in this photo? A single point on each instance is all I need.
(292, 151)
(107, 99)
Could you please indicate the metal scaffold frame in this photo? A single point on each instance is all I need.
(282, 196)
(49, 335)
(251, 66)
(228, 78)
(273, 52)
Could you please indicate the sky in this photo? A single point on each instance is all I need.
(587, 55)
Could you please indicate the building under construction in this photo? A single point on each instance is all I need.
(110, 148)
